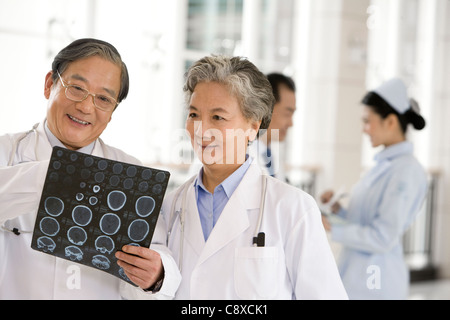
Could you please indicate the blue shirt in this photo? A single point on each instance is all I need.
(210, 206)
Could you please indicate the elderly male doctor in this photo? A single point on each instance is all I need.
(87, 81)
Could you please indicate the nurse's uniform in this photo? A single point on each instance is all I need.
(382, 207)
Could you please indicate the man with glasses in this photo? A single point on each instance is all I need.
(87, 82)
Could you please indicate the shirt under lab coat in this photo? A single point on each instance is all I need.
(29, 274)
(295, 263)
(382, 207)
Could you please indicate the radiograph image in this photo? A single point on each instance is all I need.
(91, 207)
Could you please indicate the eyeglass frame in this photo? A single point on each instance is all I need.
(88, 93)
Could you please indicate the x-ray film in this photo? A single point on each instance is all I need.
(91, 207)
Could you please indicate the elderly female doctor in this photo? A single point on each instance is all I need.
(236, 233)
(384, 202)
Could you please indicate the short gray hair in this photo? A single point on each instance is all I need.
(249, 85)
(84, 48)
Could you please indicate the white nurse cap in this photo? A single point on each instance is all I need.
(394, 93)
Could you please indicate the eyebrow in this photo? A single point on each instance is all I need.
(290, 109)
(76, 76)
(218, 109)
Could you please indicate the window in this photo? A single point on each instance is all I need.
(214, 26)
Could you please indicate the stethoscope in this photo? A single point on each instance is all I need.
(14, 151)
(19, 139)
(258, 239)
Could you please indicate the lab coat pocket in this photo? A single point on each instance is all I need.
(255, 272)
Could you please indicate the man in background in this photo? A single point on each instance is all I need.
(266, 148)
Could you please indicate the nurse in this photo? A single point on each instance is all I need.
(384, 203)
(211, 222)
(87, 82)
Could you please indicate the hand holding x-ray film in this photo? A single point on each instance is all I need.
(326, 208)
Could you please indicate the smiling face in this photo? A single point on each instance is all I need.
(382, 131)
(372, 126)
(375, 127)
(78, 124)
(218, 129)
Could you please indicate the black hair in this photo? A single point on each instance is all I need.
(84, 48)
(277, 79)
(381, 107)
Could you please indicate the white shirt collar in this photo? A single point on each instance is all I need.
(55, 142)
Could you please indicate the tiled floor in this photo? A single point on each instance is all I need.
(430, 290)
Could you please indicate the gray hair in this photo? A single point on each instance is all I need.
(243, 79)
(84, 48)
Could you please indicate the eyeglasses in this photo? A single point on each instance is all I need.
(78, 94)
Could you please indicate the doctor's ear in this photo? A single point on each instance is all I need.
(255, 125)
(48, 84)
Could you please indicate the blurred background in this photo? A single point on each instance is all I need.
(335, 50)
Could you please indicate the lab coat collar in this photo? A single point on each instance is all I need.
(54, 141)
(193, 228)
(395, 151)
(234, 219)
(230, 184)
(249, 190)
(44, 149)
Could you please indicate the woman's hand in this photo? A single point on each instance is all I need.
(326, 197)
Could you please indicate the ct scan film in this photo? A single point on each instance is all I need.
(91, 207)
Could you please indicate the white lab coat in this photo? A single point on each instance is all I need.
(29, 274)
(296, 262)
